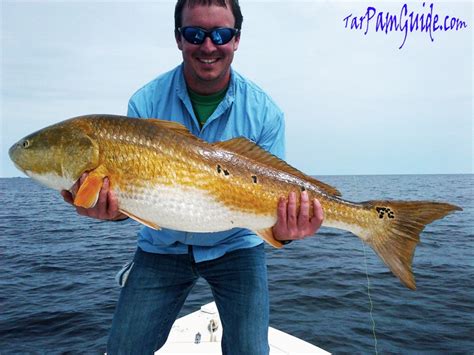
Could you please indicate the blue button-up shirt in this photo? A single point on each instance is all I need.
(245, 111)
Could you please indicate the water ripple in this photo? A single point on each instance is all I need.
(58, 292)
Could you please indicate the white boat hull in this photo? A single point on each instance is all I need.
(191, 334)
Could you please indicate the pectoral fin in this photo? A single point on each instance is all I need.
(88, 192)
(267, 235)
(141, 220)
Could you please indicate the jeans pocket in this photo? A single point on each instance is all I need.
(122, 275)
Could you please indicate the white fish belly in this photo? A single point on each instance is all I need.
(188, 209)
(52, 180)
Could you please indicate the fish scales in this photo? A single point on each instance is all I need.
(154, 166)
(163, 176)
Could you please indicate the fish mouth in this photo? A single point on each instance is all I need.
(12, 150)
(14, 154)
(19, 157)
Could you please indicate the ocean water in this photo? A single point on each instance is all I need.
(57, 288)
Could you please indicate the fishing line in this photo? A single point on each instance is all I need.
(371, 304)
(370, 300)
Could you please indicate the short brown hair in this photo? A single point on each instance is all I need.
(234, 4)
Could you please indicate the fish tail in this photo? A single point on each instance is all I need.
(394, 231)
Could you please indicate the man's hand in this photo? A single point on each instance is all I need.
(293, 224)
(106, 207)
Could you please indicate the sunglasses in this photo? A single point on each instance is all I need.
(197, 35)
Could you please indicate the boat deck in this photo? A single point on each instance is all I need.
(200, 332)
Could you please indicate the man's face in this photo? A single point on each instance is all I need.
(207, 66)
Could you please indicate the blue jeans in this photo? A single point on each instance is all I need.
(158, 285)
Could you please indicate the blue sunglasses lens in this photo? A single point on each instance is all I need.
(222, 35)
(218, 36)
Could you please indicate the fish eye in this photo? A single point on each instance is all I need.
(26, 143)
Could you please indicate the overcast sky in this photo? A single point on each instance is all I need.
(354, 103)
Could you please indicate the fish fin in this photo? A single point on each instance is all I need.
(395, 231)
(244, 147)
(172, 126)
(267, 235)
(88, 192)
(141, 220)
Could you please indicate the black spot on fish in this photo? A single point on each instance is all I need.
(226, 172)
(381, 211)
(254, 178)
(219, 169)
(303, 188)
(385, 211)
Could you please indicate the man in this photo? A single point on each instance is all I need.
(215, 103)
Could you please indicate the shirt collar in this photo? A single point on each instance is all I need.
(182, 93)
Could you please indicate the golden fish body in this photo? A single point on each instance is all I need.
(163, 176)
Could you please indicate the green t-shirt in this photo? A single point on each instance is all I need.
(205, 105)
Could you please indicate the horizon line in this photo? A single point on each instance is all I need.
(313, 175)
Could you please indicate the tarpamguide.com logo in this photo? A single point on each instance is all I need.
(406, 21)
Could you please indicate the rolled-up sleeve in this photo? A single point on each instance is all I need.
(132, 110)
(272, 138)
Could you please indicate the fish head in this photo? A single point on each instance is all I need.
(56, 156)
